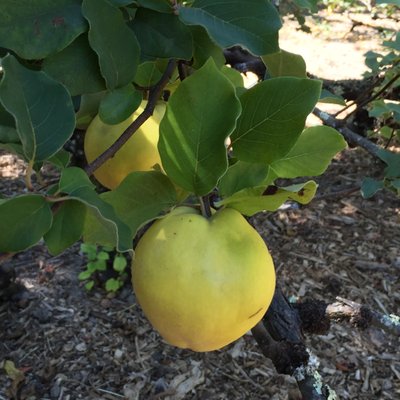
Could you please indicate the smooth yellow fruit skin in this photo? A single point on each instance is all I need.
(139, 153)
(203, 283)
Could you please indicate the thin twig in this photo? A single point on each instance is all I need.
(374, 96)
(363, 316)
(154, 95)
(316, 316)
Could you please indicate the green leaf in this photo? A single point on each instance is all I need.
(77, 185)
(61, 159)
(23, 222)
(72, 179)
(147, 74)
(84, 275)
(370, 186)
(273, 117)
(284, 63)
(119, 104)
(392, 161)
(89, 285)
(117, 230)
(37, 28)
(252, 200)
(200, 115)
(67, 226)
(162, 35)
(101, 264)
(386, 132)
(112, 285)
(115, 44)
(311, 154)
(120, 263)
(88, 109)
(242, 175)
(42, 108)
(103, 255)
(234, 76)
(90, 250)
(330, 98)
(393, 44)
(76, 67)
(92, 266)
(121, 3)
(204, 48)
(156, 5)
(8, 131)
(307, 4)
(253, 24)
(140, 197)
(384, 108)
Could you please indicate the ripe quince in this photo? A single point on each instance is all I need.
(203, 282)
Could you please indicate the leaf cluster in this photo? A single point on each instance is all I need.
(100, 261)
(63, 62)
(385, 69)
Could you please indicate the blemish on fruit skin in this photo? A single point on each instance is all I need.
(252, 315)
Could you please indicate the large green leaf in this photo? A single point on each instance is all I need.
(67, 226)
(200, 115)
(115, 44)
(36, 28)
(156, 5)
(204, 48)
(119, 104)
(8, 131)
(42, 109)
(140, 197)
(72, 179)
(162, 35)
(273, 117)
(311, 154)
(284, 63)
(75, 183)
(253, 200)
(253, 24)
(147, 74)
(23, 222)
(76, 67)
(242, 175)
(88, 108)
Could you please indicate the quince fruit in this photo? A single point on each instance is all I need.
(203, 282)
(139, 153)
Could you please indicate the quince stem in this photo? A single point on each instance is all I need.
(205, 206)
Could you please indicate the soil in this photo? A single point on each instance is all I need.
(67, 343)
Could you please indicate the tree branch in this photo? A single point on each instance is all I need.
(347, 133)
(280, 339)
(316, 316)
(154, 95)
